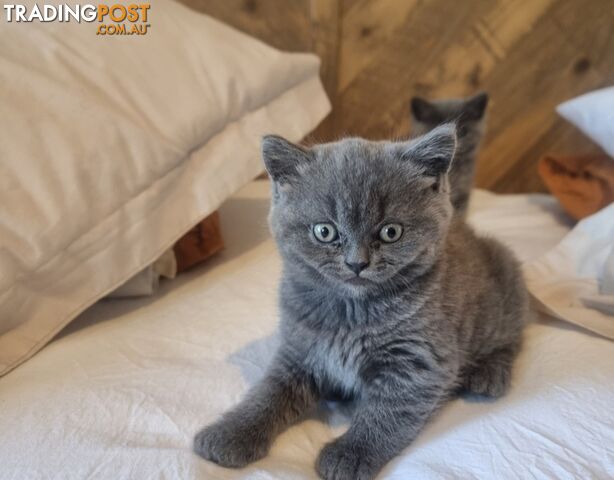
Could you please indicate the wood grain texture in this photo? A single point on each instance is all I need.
(281, 24)
(530, 55)
(324, 17)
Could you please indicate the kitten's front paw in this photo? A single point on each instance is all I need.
(230, 445)
(342, 460)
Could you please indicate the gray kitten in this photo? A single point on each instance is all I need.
(386, 298)
(468, 113)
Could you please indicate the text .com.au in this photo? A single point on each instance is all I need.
(116, 19)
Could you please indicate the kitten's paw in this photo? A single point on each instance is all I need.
(341, 460)
(492, 378)
(230, 445)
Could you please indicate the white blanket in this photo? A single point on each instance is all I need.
(121, 393)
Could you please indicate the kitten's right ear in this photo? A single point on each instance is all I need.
(424, 111)
(283, 158)
(475, 107)
(432, 152)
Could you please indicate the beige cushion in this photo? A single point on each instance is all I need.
(113, 147)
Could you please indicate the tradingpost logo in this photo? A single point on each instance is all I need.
(116, 19)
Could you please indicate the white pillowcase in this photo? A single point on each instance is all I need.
(113, 147)
(593, 113)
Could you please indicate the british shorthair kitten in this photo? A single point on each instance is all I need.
(386, 298)
(469, 116)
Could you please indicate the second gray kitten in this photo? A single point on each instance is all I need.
(386, 298)
(469, 116)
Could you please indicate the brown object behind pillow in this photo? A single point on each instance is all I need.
(202, 241)
(583, 184)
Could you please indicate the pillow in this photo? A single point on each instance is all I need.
(114, 147)
(593, 113)
(583, 184)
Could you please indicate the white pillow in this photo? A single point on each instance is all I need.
(113, 147)
(593, 113)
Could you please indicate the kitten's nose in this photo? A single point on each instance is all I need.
(357, 267)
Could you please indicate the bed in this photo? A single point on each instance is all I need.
(121, 391)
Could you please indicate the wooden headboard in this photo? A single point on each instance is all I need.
(377, 54)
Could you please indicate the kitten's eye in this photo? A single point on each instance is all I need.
(325, 232)
(391, 233)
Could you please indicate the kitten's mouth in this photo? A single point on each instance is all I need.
(356, 280)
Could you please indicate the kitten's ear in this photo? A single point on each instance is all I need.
(432, 152)
(424, 111)
(283, 158)
(475, 106)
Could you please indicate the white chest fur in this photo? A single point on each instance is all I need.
(335, 366)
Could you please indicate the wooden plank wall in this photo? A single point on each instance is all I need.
(529, 55)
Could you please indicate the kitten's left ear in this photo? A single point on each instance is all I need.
(424, 111)
(432, 152)
(283, 158)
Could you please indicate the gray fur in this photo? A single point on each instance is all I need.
(469, 115)
(439, 311)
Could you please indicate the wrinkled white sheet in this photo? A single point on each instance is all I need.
(575, 280)
(120, 394)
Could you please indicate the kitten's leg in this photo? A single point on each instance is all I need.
(388, 419)
(245, 433)
(492, 374)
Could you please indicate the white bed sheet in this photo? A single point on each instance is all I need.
(122, 391)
